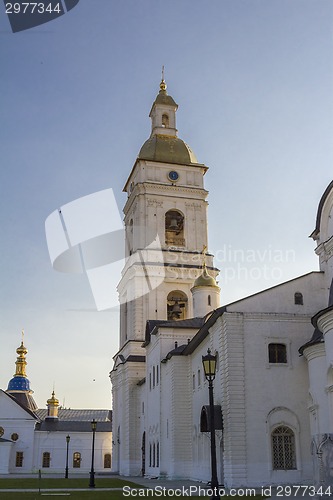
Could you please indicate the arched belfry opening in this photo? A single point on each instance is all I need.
(177, 305)
(174, 228)
(165, 120)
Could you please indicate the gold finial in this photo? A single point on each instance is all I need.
(20, 361)
(22, 335)
(163, 85)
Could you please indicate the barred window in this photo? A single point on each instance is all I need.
(46, 459)
(19, 459)
(76, 460)
(283, 448)
(277, 353)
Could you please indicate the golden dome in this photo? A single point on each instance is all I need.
(53, 401)
(205, 279)
(167, 149)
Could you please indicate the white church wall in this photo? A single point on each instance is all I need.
(281, 298)
(269, 386)
(80, 442)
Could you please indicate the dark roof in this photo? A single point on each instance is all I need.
(315, 318)
(204, 330)
(2, 440)
(75, 420)
(24, 399)
(67, 414)
(183, 323)
(54, 425)
(320, 209)
(317, 338)
(177, 351)
(22, 405)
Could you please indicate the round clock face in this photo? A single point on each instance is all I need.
(173, 175)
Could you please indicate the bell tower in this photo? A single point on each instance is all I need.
(165, 219)
(166, 225)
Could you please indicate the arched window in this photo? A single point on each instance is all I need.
(176, 305)
(165, 120)
(129, 237)
(283, 448)
(298, 298)
(46, 459)
(174, 228)
(76, 460)
(107, 461)
(158, 454)
(209, 300)
(154, 455)
(277, 353)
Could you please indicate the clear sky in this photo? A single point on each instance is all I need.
(254, 82)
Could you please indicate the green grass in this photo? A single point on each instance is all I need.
(48, 483)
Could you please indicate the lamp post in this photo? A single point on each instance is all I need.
(209, 366)
(92, 472)
(68, 438)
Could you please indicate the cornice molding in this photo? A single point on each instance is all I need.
(314, 351)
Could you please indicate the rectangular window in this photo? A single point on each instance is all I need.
(19, 459)
(277, 353)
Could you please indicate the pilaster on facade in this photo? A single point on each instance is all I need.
(233, 405)
(181, 411)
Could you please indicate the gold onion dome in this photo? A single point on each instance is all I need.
(53, 401)
(167, 149)
(205, 279)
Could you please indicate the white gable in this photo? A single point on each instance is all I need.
(11, 410)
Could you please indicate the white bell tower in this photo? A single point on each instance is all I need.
(166, 232)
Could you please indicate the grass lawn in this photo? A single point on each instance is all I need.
(46, 483)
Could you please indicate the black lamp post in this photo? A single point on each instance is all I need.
(68, 438)
(209, 366)
(92, 472)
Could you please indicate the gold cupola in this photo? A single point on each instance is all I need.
(52, 406)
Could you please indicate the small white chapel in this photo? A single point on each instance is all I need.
(49, 439)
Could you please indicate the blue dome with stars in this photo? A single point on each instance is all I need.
(19, 384)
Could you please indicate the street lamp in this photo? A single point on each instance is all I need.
(68, 438)
(209, 366)
(92, 472)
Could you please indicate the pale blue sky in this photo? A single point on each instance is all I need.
(253, 80)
